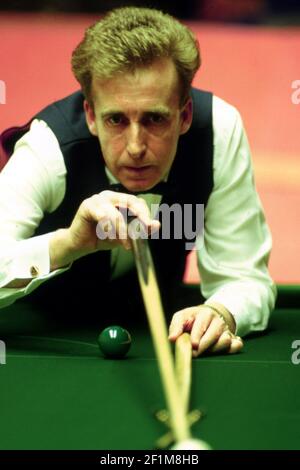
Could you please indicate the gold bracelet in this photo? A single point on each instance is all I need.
(221, 315)
(217, 311)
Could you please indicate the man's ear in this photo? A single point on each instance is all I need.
(186, 115)
(90, 118)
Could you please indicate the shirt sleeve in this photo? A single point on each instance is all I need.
(234, 251)
(31, 183)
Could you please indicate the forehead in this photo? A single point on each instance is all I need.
(143, 88)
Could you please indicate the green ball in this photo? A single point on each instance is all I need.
(114, 342)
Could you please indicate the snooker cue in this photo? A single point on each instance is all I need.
(183, 366)
(153, 305)
(183, 369)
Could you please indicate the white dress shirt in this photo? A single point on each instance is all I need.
(232, 260)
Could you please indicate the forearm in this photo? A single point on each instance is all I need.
(60, 250)
(233, 255)
(63, 250)
(60, 255)
(23, 260)
(24, 265)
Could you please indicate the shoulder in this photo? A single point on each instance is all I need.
(226, 118)
(40, 151)
(36, 168)
(232, 154)
(66, 118)
(73, 101)
(43, 144)
(211, 109)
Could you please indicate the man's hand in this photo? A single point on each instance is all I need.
(210, 331)
(81, 237)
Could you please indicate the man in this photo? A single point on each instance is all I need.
(137, 122)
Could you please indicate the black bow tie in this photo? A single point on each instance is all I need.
(159, 188)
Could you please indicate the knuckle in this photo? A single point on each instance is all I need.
(202, 330)
(211, 315)
(218, 328)
(235, 346)
(106, 193)
(86, 205)
(205, 313)
(226, 340)
(94, 201)
(142, 202)
(177, 316)
(131, 199)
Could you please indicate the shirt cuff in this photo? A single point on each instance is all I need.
(249, 303)
(26, 259)
(8, 295)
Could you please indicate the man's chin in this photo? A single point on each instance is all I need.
(138, 186)
(139, 179)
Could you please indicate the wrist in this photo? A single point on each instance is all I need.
(61, 250)
(223, 313)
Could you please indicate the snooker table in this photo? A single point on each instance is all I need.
(58, 392)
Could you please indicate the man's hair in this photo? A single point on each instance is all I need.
(131, 37)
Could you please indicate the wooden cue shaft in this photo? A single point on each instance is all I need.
(183, 365)
(151, 296)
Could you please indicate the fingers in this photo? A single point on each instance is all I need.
(209, 331)
(227, 342)
(101, 211)
(110, 223)
(236, 345)
(135, 205)
(218, 339)
(132, 205)
(181, 321)
(206, 331)
(223, 344)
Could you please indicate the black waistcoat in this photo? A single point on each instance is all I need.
(190, 182)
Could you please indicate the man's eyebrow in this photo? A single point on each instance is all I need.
(162, 110)
(159, 110)
(109, 112)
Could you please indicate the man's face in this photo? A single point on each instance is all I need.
(138, 120)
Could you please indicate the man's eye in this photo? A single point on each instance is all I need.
(115, 120)
(153, 119)
(156, 119)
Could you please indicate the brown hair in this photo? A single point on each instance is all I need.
(129, 37)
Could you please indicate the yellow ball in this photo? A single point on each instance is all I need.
(191, 444)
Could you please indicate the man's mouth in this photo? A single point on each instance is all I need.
(138, 171)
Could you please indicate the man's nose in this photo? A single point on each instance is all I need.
(136, 143)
